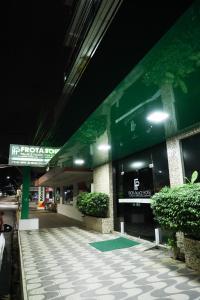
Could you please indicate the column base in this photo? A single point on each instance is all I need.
(29, 224)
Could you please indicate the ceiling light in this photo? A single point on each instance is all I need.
(104, 147)
(137, 164)
(79, 162)
(157, 116)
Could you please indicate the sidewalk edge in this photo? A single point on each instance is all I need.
(23, 281)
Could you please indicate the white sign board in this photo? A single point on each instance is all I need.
(35, 156)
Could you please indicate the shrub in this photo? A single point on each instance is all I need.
(82, 202)
(178, 208)
(93, 204)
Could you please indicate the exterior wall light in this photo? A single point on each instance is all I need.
(104, 147)
(157, 117)
(79, 162)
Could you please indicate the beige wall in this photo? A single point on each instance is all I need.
(102, 182)
(70, 211)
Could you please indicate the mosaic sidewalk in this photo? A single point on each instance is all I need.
(59, 264)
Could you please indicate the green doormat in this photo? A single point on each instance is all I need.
(114, 244)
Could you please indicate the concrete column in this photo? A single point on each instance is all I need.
(102, 182)
(61, 194)
(25, 193)
(175, 163)
(176, 175)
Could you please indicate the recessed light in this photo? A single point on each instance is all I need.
(157, 116)
(137, 164)
(104, 147)
(79, 162)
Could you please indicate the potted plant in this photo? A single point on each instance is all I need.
(178, 209)
(94, 207)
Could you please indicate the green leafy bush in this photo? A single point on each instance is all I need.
(81, 203)
(93, 204)
(178, 208)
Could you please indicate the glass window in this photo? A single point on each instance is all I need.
(68, 194)
(83, 187)
(191, 154)
(142, 173)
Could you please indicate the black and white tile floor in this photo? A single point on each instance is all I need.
(58, 263)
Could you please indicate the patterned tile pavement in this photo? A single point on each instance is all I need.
(58, 263)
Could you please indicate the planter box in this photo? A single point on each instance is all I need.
(192, 253)
(103, 225)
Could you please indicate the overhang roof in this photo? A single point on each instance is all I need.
(63, 177)
(165, 80)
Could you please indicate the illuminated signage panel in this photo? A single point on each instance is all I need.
(35, 156)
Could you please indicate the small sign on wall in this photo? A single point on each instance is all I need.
(138, 184)
(41, 197)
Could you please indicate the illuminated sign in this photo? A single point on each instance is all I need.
(23, 155)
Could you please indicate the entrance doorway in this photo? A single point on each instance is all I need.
(135, 206)
(137, 179)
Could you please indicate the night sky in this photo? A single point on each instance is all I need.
(31, 66)
(32, 61)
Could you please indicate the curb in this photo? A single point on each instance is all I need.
(23, 281)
